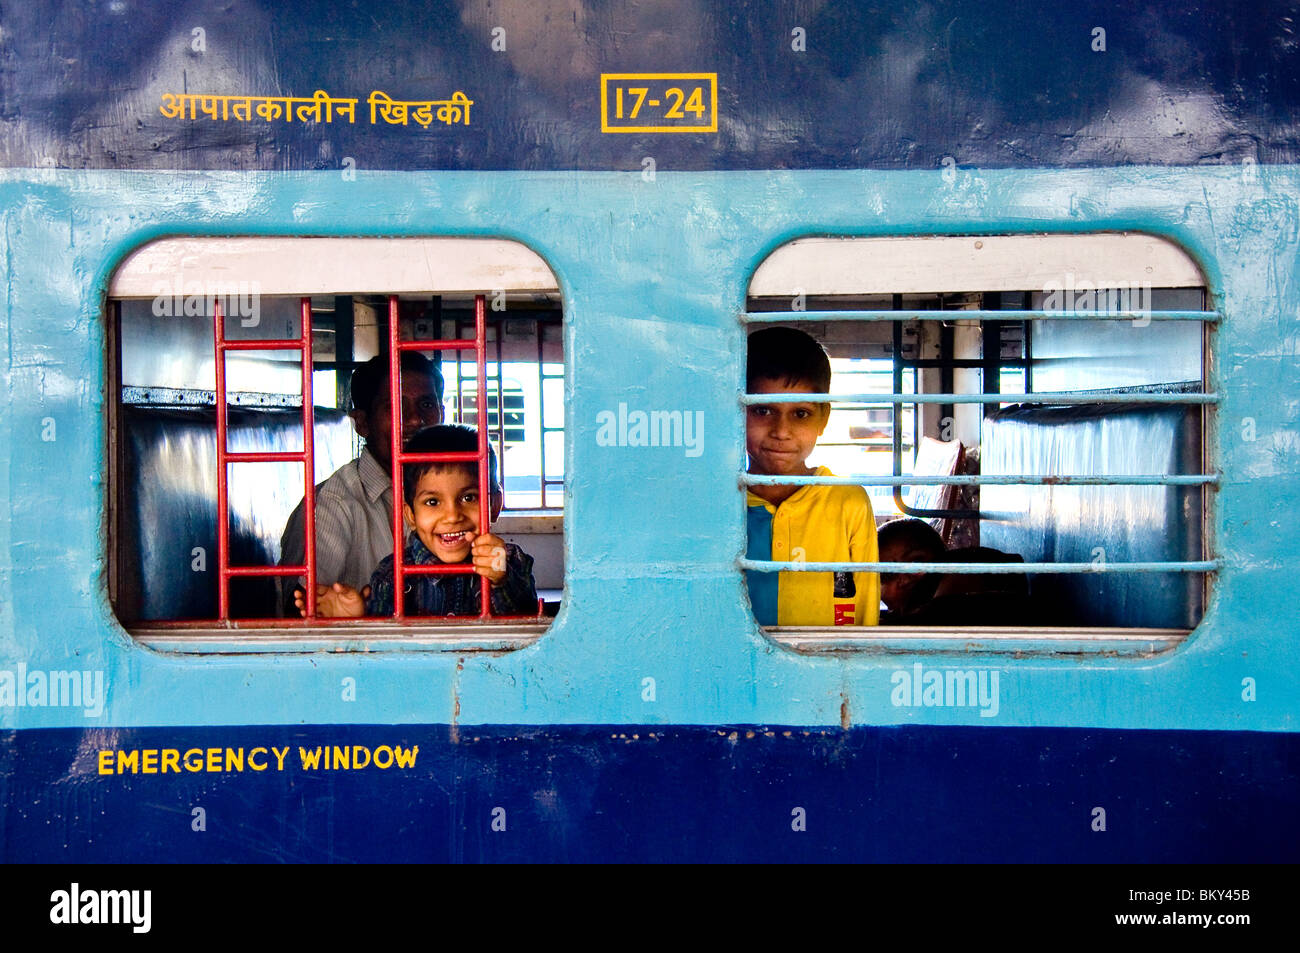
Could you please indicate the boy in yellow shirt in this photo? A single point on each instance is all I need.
(801, 523)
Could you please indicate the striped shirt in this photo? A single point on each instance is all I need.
(516, 594)
(354, 527)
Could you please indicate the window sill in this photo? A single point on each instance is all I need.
(366, 636)
(955, 640)
(529, 522)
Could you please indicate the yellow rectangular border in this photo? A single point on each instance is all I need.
(604, 102)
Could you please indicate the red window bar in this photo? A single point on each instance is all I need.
(542, 429)
(479, 456)
(225, 458)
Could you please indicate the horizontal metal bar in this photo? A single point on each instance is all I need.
(190, 397)
(455, 344)
(439, 569)
(783, 317)
(759, 565)
(1039, 398)
(276, 456)
(264, 571)
(958, 363)
(440, 456)
(1145, 479)
(287, 344)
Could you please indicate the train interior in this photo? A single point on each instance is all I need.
(164, 517)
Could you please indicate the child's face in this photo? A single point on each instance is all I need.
(445, 512)
(780, 437)
(896, 588)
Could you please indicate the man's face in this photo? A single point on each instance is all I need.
(420, 408)
(780, 437)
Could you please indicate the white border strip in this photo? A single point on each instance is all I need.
(309, 266)
(939, 264)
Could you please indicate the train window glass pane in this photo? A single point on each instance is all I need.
(164, 555)
(1068, 450)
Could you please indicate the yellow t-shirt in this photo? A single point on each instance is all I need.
(816, 524)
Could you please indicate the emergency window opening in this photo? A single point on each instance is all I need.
(1037, 406)
(177, 462)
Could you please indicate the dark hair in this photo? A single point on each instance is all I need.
(444, 438)
(372, 376)
(789, 356)
(912, 534)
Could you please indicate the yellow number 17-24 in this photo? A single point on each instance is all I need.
(681, 102)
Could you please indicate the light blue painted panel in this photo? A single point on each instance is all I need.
(653, 276)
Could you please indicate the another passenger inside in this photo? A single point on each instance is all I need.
(949, 598)
(354, 507)
(908, 541)
(788, 523)
(441, 502)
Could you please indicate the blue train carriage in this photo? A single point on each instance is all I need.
(1073, 358)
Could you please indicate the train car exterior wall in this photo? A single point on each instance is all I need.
(654, 704)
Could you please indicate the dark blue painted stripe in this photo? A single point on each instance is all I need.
(985, 83)
(587, 793)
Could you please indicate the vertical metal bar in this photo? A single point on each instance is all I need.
(916, 417)
(991, 344)
(223, 502)
(345, 320)
(460, 378)
(541, 410)
(501, 404)
(395, 449)
(309, 455)
(433, 310)
(484, 489)
(947, 349)
(1029, 357)
(897, 409)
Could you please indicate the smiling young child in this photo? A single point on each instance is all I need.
(441, 500)
(801, 523)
